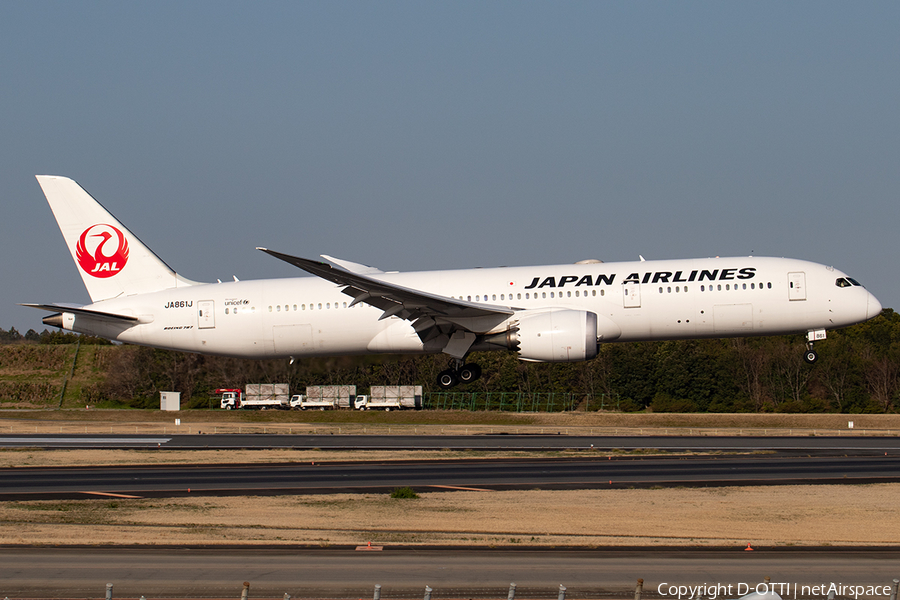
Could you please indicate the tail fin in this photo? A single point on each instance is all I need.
(112, 261)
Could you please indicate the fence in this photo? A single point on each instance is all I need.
(519, 401)
(502, 401)
(764, 590)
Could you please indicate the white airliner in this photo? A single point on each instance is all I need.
(557, 313)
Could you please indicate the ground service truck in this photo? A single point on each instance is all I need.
(363, 402)
(390, 397)
(301, 402)
(259, 395)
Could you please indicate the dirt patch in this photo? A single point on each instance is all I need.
(730, 516)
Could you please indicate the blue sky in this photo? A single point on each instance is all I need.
(421, 135)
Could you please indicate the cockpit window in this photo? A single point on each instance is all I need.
(847, 282)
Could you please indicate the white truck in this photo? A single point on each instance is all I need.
(368, 403)
(390, 397)
(259, 395)
(301, 402)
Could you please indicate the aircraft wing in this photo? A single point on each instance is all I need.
(431, 314)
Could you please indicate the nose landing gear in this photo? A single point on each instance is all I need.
(812, 336)
(811, 355)
(457, 374)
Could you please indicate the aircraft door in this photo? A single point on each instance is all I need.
(797, 286)
(206, 314)
(632, 293)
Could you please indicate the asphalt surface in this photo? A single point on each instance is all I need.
(179, 572)
(603, 472)
(452, 573)
(457, 442)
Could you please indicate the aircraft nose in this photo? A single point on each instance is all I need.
(874, 307)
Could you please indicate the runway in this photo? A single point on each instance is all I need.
(177, 572)
(453, 573)
(834, 444)
(600, 472)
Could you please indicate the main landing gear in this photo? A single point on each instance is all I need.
(457, 374)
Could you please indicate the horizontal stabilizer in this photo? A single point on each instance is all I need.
(80, 310)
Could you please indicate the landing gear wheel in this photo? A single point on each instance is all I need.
(811, 356)
(469, 373)
(447, 379)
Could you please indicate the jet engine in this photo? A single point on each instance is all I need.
(559, 335)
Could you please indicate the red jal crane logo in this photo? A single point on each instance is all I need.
(102, 250)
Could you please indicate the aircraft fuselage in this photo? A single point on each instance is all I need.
(647, 300)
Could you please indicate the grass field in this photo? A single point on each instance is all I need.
(436, 422)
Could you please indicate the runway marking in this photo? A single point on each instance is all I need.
(111, 495)
(456, 487)
(81, 441)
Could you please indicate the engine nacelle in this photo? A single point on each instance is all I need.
(561, 335)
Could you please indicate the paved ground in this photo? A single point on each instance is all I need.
(179, 572)
(570, 473)
(482, 441)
